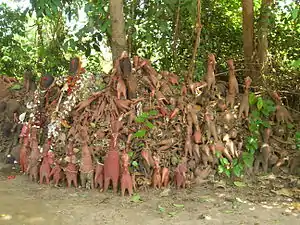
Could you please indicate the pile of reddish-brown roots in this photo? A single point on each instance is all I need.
(165, 134)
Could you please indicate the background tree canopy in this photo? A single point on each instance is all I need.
(44, 35)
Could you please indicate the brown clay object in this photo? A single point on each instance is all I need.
(126, 180)
(99, 175)
(262, 158)
(47, 161)
(56, 173)
(180, 176)
(71, 170)
(211, 126)
(244, 106)
(165, 177)
(112, 166)
(156, 176)
(282, 114)
(86, 165)
(188, 148)
(33, 166)
(24, 150)
(233, 87)
(210, 74)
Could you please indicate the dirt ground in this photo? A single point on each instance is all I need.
(24, 202)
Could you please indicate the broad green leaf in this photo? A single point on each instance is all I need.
(218, 154)
(235, 162)
(149, 124)
(296, 63)
(16, 87)
(141, 145)
(136, 198)
(259, 103)
(161, 209)
(140, 133)
(224, 161)
(153, 112)
(139, 119)
(266, 124)
(227, 172)
(130, 154)
(237, 170)
(252, 98)
(135, 163)
(295, 13)
(248, 159)
(220, 169)
(255, 114)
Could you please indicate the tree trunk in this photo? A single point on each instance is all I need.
(248, 30)
(118, 39)
(198, 27)
(263, 35)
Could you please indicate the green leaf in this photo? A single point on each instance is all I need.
(290, 126)
(178, 205)
(255, 114)
(144, 115)
(248, 159)
(295, 13)
(237, 170)
(259, 103)
(239, 184)
(135, 163)
(130, 154)
(266, 124)
(16, 87)
(218, 154)
(227, 172)
(220, 169)
(153, 112)
(235, 162)
(296, 63)
(161, 209)
(141, 145)
(149, 124)
(140, 133)
(224, 161)
(136, 198)
(139, 119)
(252, 98)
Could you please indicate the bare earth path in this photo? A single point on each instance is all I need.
(23, 202)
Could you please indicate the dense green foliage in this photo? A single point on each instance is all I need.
(41, 37)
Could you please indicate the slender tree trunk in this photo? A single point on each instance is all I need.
(248, 36)
(175, 37)
(263, 31)
(118, 39)
(198, 27)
